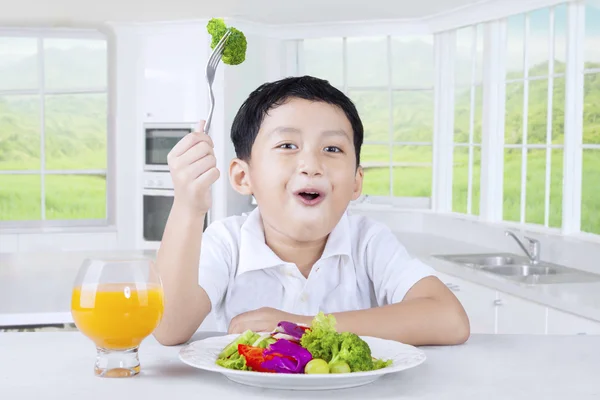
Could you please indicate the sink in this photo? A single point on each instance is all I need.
(518, 268)
(522, 270)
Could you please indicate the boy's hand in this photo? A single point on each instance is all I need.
(193, 168)
(263, 320)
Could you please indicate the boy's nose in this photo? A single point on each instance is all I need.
(310, 165)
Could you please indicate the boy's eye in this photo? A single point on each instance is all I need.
(287, 146)
(333, 149)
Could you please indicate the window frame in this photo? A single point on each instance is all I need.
(295, 65)
(40, 91)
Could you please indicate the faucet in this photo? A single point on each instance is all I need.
(534, 247)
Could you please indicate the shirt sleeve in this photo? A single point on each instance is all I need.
(215, 263)
(392, 270)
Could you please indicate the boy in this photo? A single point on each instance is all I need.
(298, 144)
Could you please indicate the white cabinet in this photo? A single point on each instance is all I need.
(174, 86)
(562, 323)
(478, 301)
(519, 316)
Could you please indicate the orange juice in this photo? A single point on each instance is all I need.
(117, 316)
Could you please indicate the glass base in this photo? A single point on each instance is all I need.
(117, 363)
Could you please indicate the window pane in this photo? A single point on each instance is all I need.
(413, 116)
(367, 62)
(478, 114)
(76, 131)
(536, 186)
(556, 181)
(479, 55)
(515, 46)
(539, 38)
(592, 35)
(591, 109)
(590, 195)
(20, 198)
(460, 180)
(462, 114)
(463, 63)
(375, 160)
(512, 185)
(412, 58)
(19, 133)
(560, 38)
(75, 63)
(412, 171)
(513, 131)
(537, 112)
(18, 63)
(323, 58)
(558, 111)
(71, 197)
(373, 108)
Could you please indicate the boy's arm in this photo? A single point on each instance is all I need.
(430, 314)
(193, 168)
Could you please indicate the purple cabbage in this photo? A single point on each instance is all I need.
(291, 329)
(298, 354)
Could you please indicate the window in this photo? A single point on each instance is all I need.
(534, 117)
(390, 80)
(53, 129)
(590, 196)
(468, 74)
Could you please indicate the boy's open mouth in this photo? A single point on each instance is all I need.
(309, 196)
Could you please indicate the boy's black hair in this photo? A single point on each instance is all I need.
(249, 117)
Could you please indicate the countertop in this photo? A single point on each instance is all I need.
(60, 365)
(36, 288)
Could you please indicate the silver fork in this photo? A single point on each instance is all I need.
(211, 69)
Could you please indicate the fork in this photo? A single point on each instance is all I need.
(211, 69)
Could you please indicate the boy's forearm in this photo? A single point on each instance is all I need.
(186, 303)
(429, 315)
(421, 321)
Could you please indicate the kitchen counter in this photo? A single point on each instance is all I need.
(35, 288)
(60, 365)
(582, 299)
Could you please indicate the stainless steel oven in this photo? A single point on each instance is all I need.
(159, 140)
(157, 201)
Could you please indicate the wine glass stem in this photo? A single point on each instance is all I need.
(117, 363)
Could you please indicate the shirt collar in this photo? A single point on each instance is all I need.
(256, 255)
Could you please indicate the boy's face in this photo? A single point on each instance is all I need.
(302, 169)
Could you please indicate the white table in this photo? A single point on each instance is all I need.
(59, 365)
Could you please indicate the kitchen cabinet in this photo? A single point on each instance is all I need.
(519, 316)
(174, 86)
(478, 301)
(562, 323)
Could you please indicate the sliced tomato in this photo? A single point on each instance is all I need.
(254, 357)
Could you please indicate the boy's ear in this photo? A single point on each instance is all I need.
(358, 182)
(239, 177)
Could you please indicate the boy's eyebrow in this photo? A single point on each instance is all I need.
(289, 129)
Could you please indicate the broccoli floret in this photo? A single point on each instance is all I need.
(234, 52)
(354, 351)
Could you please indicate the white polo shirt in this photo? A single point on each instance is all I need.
(363, 265)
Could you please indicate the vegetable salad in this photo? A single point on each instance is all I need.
(299, 349)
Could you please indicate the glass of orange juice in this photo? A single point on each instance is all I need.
(117, 303)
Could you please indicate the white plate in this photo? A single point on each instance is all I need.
(202, 354)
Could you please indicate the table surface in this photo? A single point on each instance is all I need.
(60, 365)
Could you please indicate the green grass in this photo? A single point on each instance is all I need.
(67, 197)
(416, 181)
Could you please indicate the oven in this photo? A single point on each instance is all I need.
(159, 139)
(157, 201)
